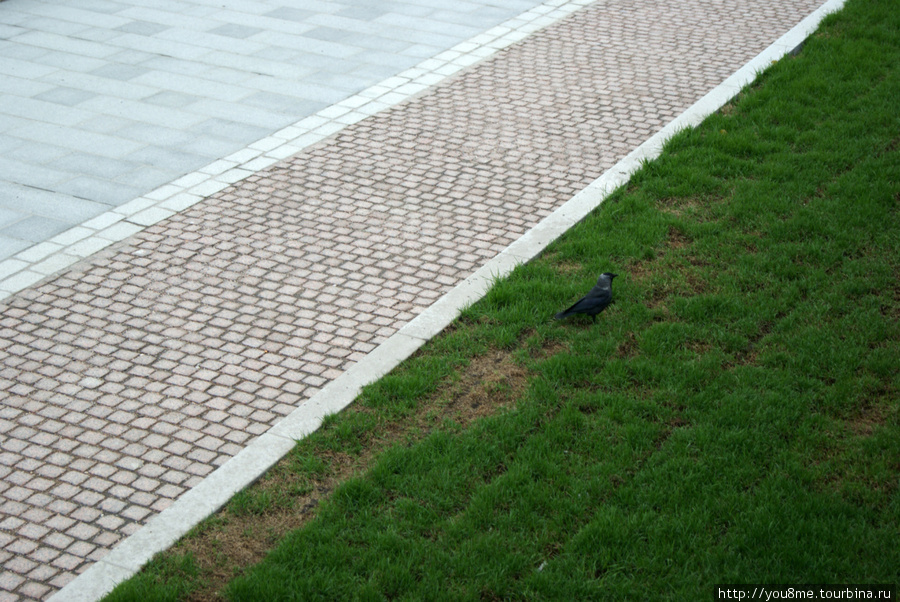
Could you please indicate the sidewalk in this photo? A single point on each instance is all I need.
(105, 101)
(132, 375)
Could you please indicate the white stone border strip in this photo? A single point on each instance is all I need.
(47, 258)
(163, 530)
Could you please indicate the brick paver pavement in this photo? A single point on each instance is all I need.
(129, 377)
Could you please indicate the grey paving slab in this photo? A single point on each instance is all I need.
(211, 145)
(305, 89)
(290, 14)
(233, 30)
(71, 12)
(65, 96)
(171, 99)
(92, 165)
(166, 158)
(120, 71)
(249, 112)
(49, 25)
(108, 87)
(7, 31)
(228, 130)
(8, 217)
(70, 62)
(20, 66)
(37, 201)
(190, 83)
(62, 43)
(39, 153)
(385, 69)
(378, 60)
(385, 45)
(148, 177)
(9, 143)
(155, 134)
(277, 103)
(30, 174)
(34, 228)
(364, 13)
(39, 113)
(17, 86)
(144, 28)
(10, 246)
(105, 124)
(76, 139)
(100, 190)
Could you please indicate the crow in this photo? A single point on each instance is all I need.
(595, 301)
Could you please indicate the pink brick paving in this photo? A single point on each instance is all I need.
(128, 378)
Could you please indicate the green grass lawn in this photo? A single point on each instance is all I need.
(732, 418)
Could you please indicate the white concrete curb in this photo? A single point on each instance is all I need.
(212, 493)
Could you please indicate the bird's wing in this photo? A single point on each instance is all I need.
(596, 297)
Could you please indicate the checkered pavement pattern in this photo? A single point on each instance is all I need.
(135, 373)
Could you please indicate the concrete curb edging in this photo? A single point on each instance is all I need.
(252, 462)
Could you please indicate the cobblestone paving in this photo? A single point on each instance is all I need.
(131, 376)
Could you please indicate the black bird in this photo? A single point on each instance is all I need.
(595, 301)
